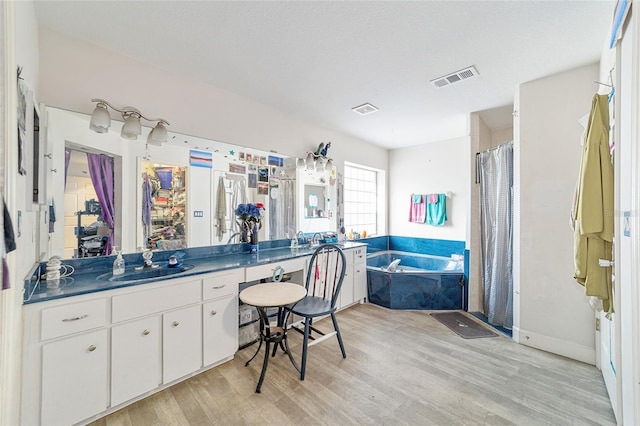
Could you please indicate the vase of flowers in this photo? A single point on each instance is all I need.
(250, 220)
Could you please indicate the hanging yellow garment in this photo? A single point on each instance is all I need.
(594, 207)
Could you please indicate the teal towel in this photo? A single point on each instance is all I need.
(417, 199)
(437, 212)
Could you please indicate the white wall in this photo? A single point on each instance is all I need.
(20, 48)
(554, 313)
(73, 71)
(436, 167)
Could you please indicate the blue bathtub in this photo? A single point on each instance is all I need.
(419, 281)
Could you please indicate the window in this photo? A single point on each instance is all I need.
(360, 199)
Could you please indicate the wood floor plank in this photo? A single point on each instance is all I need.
(402, 368)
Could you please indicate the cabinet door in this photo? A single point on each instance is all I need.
(135, 358)
(359, 274)
(359, 281)
(182, 342)
(74, 378)
(346, 291)
(220, 326)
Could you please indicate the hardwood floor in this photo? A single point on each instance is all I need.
(402, 367)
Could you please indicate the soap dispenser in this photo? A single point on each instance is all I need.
(118, 264)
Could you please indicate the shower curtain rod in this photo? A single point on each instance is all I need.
(495, 147)
(487, 150)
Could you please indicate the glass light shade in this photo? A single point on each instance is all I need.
(100, 119)
(131, 128)
(329, 165)
(158, 135)
(310, 161)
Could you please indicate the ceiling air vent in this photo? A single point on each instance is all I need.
(446, 80)
(365, 109)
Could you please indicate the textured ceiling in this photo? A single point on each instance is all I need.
(316, 60)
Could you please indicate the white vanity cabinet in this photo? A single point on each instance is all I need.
(354, 285)
(220, 315)
(135, 358)
(74, 360)
(359, 274)
(88, 355)
(74, 378)
(346, 292)
(181, 343)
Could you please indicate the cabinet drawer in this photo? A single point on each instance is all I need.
(138, 304)
(266, 271)
(221, 284)
(73, 318)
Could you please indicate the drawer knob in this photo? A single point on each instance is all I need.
(213, 313)
(146, 332)
(175, 323)
(75, 318)
(92, 348)
(218, 287)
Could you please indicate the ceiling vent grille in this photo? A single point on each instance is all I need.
(365, 109)
(455, 77)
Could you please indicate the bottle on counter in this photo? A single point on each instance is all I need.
(118, 264)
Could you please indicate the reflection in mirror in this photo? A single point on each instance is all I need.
(314, 197)
(164, 206)
(88, 203)
(235, 175)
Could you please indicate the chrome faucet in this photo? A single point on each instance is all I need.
(315, 242)
(301, 238)
(393, 265)
(147, 255)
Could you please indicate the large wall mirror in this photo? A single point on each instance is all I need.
(182, 194)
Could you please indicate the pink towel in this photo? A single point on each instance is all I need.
(433, 198)
(417, 211)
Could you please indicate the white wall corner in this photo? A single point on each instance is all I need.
(557, 346)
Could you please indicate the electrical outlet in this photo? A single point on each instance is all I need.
(198, 213)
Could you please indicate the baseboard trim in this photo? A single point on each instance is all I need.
(561, 347)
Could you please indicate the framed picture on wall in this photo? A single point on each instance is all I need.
(263, 188)
(252, 180)
(263, 174)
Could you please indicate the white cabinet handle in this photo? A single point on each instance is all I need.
(146, 332)
(92, 348)
(213, 313)
(218, 287)
(175, 323)
(75, 318)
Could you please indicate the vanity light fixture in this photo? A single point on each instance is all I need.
(101, 121)
(310, 162)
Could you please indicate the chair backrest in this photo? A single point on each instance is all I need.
(326, 273)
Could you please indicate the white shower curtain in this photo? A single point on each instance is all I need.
(496, 221)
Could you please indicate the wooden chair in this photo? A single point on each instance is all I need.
(324, 279)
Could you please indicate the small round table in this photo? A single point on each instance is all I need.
(272, 295)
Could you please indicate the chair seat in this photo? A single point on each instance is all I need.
(312, 306)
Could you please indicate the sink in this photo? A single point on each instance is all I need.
(144, 274)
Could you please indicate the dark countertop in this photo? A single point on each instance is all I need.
(88, 280)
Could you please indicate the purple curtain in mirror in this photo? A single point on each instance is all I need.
(101, 171)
